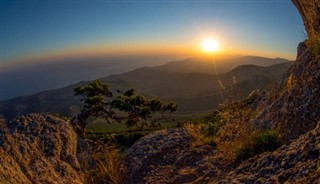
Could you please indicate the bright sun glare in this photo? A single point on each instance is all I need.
(210, 45)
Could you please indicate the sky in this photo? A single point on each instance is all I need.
(60, 28)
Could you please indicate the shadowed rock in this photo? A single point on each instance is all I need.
(170, 157)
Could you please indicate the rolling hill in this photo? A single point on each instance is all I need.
(30, 77)
(194, 92)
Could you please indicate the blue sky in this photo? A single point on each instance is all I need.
(36, 27)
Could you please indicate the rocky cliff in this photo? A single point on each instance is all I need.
(310, 13)
(40, 149)
(292, 106)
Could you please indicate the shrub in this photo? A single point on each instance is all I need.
(197, 133)
(263, 141)
(212, 124)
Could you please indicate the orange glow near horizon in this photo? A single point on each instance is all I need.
(92, 51)
(191, 49)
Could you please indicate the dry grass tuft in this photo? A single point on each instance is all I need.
(196, 132)
(231, 136)
(236, 130)
(108, 169)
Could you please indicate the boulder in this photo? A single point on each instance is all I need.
(44, 147)
(171, 157)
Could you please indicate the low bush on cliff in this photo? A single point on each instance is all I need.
(260, 142)
(212, 124)
(122, 140)
(230, 130)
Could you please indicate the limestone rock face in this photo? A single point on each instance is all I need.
(10, 172)
(310, 13)
(158, 149)
(298, 162)
(167, 156)
(44, 147)
(292, 106)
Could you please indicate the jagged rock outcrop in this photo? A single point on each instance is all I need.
(43, 147)
(168, 156)
(292, 106)
(298, 162)
(158, 149)
(310, 13)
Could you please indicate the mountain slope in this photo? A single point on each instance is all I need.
(29, 77)
(33, 76)
(193, 92)
(168, 84)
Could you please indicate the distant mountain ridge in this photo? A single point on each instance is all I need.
(194, 92)
(217, 64)
(30, 78)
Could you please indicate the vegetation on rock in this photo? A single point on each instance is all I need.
(263, 141)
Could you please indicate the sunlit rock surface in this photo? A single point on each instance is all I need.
(43, 147)
(292, 106)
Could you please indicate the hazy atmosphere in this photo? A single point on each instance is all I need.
(92, 39)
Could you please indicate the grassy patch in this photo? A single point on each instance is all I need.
(261, 142)
(108, 170)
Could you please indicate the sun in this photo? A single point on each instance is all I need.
(210, 45)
